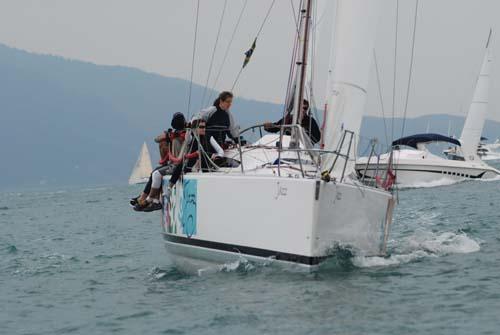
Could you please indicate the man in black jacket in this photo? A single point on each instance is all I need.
(308, 123)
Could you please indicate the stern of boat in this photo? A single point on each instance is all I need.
(352, 216)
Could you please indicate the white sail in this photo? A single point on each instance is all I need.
(142, 168)
(474, 123)
(354, 39)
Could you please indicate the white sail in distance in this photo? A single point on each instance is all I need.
(142, 168)
(354, 39)
(474, 123)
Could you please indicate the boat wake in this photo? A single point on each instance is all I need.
(158, 274)
(413, 248)
(435, 183)
(497, 178)
(420, 245)
(241, 265)
(423, 244)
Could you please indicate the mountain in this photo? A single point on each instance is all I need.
(71, 122)
(66, 122)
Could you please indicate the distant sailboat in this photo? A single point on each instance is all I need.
(142, 168)
(489, 151)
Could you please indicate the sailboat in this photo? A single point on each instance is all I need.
(489, 151)
(417, 166)
(142, 168)
(289, 202)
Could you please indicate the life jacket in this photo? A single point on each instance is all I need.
(171, 150)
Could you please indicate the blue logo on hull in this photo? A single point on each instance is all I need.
(189, 207)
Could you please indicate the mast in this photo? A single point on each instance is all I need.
(302, 65)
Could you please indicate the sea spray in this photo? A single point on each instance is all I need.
(420, 245)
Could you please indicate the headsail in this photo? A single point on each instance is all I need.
(142, 168)
(474, 123)
(354, 39)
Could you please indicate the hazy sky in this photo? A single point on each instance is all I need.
(157, 36)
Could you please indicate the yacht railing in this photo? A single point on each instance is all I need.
(315, 154)
(380, 176)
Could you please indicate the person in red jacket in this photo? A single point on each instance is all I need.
(185, 164)
(169, 143)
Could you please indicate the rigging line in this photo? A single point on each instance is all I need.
(381, 97)
(395, 69)
(312, 59)
(228, 47)
(255, 40)
(193, 59)
(312, 63)
(295, 18)
(295, 51)
(290, 77)
(411, 68)
(236, 79)
(265, 19)
(213, 53)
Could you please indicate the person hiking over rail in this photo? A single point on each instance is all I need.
(184, 164)
(170, 143)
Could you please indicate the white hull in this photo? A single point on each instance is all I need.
(423, 169)
(208, 221)
(491, 157)
(490, 152)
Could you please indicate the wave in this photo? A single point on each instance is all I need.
(435, 183)
(172, 273)
(443, 182)
(421, 245)
(496, 178)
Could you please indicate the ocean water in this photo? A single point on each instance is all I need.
(80, 261)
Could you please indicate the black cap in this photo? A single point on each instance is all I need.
(178, 121)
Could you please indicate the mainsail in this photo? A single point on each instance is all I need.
(354, 39)
(319, 50)
(142, 168)
(473, 127)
